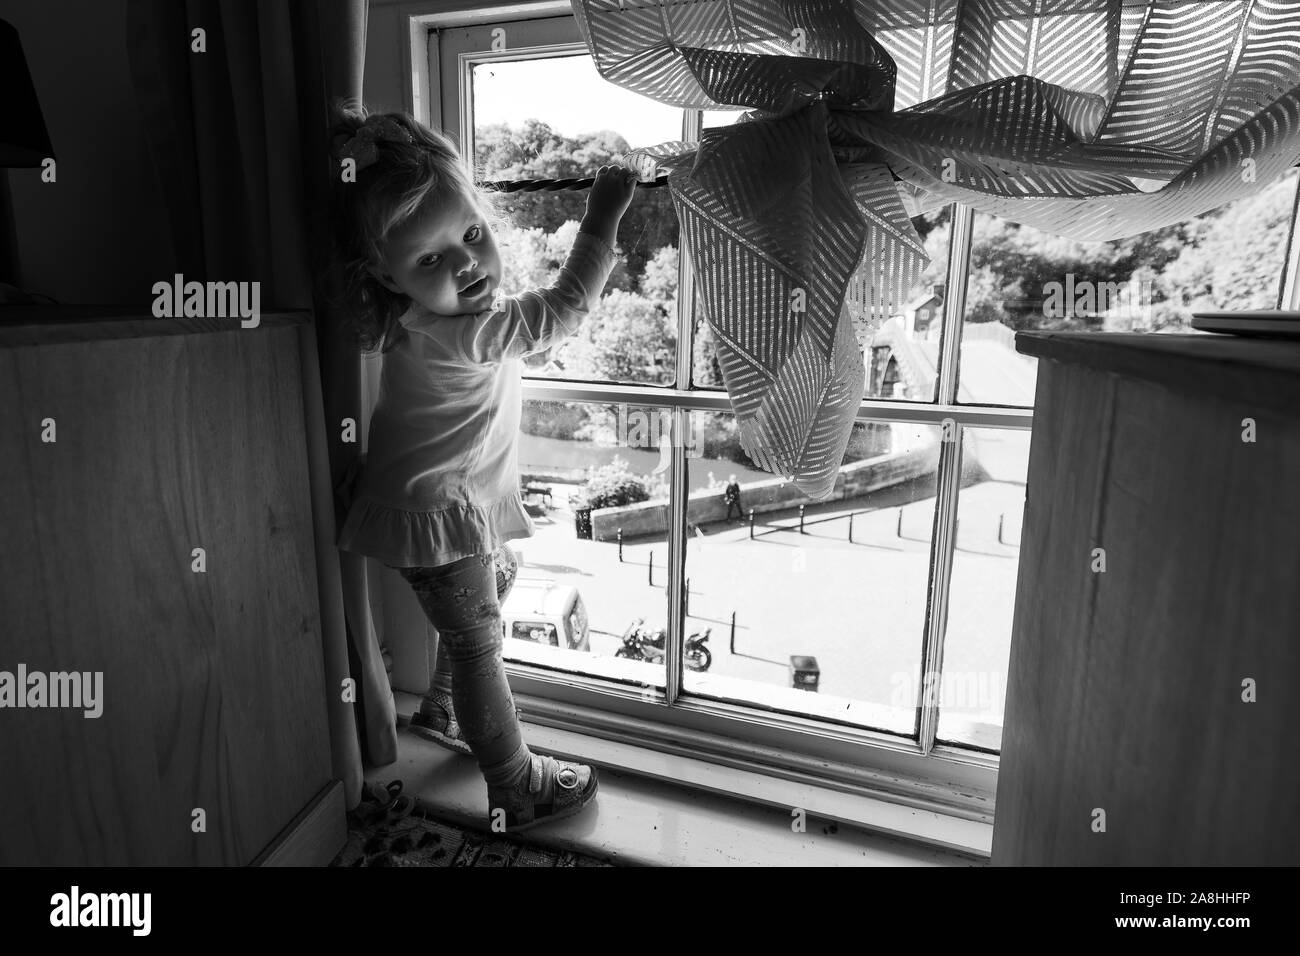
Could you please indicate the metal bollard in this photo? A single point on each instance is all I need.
(801, 531)
(751, 524)
(850, 527)
(620, 545)
(733, 632)
(652, 569)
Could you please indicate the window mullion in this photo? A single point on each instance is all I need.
(676, 558)
(692, 124)
(948, 479)
(954, 301)
(947, 482)
(1288, 296)
(692, 127)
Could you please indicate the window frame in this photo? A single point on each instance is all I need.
(924, 773)
(628, 703)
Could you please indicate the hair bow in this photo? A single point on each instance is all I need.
(361, 147)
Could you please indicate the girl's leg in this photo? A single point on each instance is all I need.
(460, 600)
(437, 716)
(440, 682)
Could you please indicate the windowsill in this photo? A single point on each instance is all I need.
(960, 728)
(664, 810)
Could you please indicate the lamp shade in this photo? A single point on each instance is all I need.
(24, 141)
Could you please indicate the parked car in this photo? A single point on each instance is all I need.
(545, 612)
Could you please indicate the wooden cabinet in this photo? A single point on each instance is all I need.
(1176, 459)
(170, 436)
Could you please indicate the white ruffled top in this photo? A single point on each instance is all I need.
(440, 477)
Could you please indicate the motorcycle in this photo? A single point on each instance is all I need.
(642, 645)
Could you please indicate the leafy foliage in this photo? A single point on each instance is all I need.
(626, 338)
(613, 485)
(1228, 258)
(563, 420)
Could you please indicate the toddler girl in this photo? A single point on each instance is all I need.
(439, 491)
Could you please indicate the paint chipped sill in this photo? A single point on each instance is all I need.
(656, 809)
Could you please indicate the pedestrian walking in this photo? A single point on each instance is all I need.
(731, 495)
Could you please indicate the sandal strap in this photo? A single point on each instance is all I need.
(540, 802)
(563, 774)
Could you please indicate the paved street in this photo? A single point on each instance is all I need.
(858, 607)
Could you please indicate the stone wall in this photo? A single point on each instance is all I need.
(854, 480)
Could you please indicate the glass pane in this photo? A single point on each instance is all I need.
(990, 507)
(900, 359)
(541, 89)
(1230, 258)
(715, 118)
(902, 355)
(828, 621)
(526, 126)
(586, 470)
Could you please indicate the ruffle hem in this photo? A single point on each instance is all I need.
(410, 539)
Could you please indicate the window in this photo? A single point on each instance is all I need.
(862, 638)
(1230, 258)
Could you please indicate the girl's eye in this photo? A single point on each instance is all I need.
(474, 229)
(427, 260)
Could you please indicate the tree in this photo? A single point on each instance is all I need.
(1237, 255)
(626, 338)
(535, 151)
(562, 420)
(613, 485)
(705, 370)
(659, 280)
(527, 259)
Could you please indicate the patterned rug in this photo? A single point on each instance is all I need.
(392, 830)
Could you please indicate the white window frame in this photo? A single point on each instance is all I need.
(955, 782)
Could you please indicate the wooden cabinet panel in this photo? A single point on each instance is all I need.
(1125, 690)
(170, 437)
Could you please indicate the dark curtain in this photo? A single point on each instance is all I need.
(239, 137)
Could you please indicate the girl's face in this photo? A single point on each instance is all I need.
(444, 257)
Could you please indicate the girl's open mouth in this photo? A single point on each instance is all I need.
(476, 288)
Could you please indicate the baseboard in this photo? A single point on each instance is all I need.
(315, 836)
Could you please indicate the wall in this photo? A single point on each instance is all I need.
(100, 233)
(387, 83)
(854, 480)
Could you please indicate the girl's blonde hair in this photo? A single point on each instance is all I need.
(385, 195)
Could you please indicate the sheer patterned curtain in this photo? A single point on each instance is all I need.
(1089, 119)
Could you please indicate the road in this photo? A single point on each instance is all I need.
(858, 607)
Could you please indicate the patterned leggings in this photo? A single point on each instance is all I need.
(460, 600)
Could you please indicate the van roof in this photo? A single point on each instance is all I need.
(537, 596)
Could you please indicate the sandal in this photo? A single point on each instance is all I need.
(391, 803)
(555, 790)
(441, 728)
